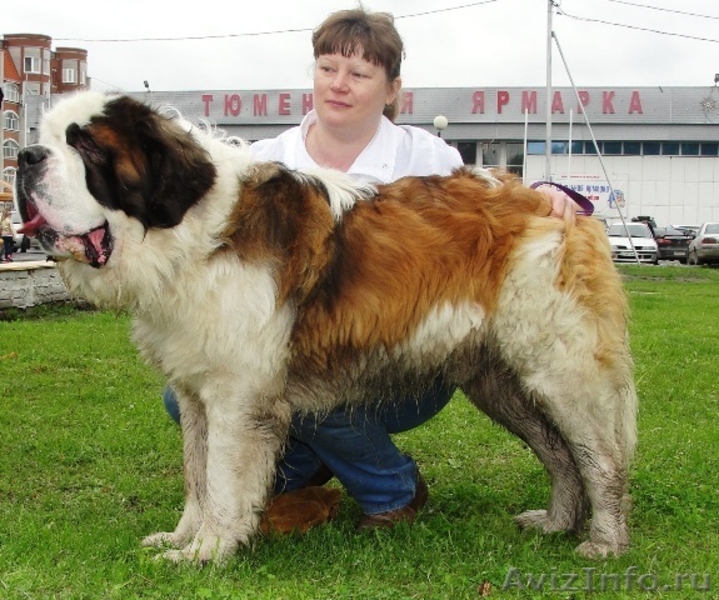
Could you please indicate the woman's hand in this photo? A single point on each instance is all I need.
(563, 206)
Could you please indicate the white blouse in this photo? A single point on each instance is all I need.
(396, 151)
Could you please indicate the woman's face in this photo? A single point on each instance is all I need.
(350, 92)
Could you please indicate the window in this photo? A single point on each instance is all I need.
(628, 148)
(652, 148)
(710, 149)
(559, 147)
(490, 154)
(614, 148)
(632, 148)
(8, 175)
(10, 148)
(12, 93)
(69, 76)
(535, 148)
(468, 152)
(11, 122)
(515, 158)
(32, 64)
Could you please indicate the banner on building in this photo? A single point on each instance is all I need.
(607, 199)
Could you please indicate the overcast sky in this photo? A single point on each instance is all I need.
(265, 44)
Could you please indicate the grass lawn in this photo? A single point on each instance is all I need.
(90, 464)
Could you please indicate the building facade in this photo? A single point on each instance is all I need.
(641, 151)
(29, 67)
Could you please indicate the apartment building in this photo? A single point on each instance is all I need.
(29, 67)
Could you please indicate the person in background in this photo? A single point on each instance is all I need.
(7, 231)
(358, 57)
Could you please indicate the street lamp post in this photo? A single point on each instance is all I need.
(149, 91)
(440, 124)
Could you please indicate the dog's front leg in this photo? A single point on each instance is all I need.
(243, 444)
(194, 438)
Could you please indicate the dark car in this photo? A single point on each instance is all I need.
(673, 244)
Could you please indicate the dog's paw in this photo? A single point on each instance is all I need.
(598, 550)
(163, 539)
(539, 519)
(202, 551)
(545, 521)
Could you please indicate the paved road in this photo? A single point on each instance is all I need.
(31, 255)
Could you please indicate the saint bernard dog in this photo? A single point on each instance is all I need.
(260, 292)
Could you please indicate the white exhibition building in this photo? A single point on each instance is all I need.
(658, 147)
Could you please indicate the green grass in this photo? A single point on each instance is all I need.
(90, 464)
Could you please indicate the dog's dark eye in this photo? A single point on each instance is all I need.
(71, 134)
(83, 142)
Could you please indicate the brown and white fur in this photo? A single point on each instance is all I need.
(259, 292)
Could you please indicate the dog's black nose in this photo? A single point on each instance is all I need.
(32, 155)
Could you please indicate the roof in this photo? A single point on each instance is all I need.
(10, 72)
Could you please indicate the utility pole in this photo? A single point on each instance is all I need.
(548, 135)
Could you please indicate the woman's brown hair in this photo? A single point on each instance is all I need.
(346, 31)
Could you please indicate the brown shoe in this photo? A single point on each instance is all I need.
(322, 476)
(406, 514)
(300, 510)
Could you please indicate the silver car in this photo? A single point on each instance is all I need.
(704, 248)
(642, 241)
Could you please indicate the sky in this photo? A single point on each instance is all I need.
(265, 44)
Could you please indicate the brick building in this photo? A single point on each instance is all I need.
(30, 67)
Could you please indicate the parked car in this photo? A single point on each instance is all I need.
(688, 229)
(646, 219)
(704, 248)
(641, 238)
(672, 244)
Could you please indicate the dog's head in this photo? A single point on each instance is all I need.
(100, 154)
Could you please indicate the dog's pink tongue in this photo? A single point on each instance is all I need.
(31, 227)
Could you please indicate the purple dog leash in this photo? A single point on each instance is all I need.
(584, 202)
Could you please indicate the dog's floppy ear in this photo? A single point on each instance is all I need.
(142, 163)
(179, 170)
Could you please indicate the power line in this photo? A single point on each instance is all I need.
(183, 38)
(669, 10)
(259, 33)
(440, 10)
(637, 28)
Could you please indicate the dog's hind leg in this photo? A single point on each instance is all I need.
(496, 393)
(600, 432)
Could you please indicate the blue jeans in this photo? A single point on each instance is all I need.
(355, 444)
